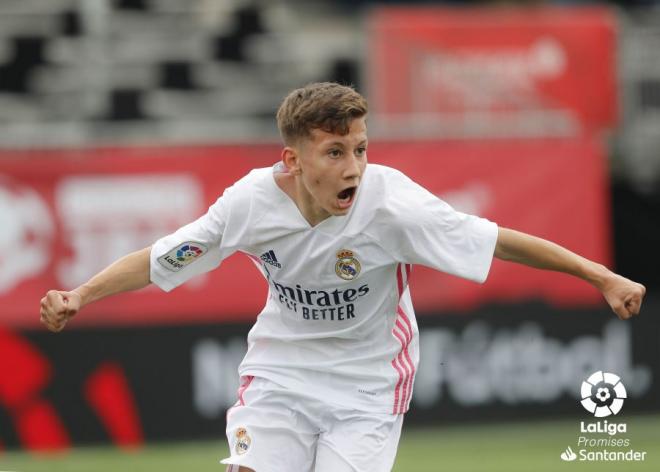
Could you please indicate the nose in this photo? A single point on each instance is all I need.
(353, 168)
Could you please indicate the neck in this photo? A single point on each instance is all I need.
(295, 189)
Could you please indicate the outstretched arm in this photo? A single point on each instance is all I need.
(623, 295)
(131, 272)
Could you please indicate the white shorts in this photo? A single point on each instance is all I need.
(273, 429)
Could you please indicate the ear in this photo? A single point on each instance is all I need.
(291, 160)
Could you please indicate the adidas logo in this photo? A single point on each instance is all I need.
(269, 258)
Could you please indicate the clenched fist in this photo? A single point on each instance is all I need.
(623, 295)
(57, 307)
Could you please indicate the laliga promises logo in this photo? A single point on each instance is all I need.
(603, 394)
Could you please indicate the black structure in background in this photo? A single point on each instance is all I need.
(636, 223)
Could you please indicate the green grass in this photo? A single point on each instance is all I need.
(506, 447)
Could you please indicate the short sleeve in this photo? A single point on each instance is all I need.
(191, 250)
(417, 227)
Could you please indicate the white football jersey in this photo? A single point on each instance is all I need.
(338, 322)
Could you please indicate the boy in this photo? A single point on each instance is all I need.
(331, 358)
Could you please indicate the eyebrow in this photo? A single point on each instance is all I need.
(339, 143)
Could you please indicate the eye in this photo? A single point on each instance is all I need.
(334, 153)
(361, 151)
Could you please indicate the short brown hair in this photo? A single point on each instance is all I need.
(324, 105)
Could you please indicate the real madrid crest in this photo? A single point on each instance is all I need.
(243, 442)
(347, 266)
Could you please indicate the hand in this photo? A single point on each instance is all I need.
(623, 295)
(57, 307)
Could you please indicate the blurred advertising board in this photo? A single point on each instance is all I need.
(544, 71)
(68, 214)
(134, 384)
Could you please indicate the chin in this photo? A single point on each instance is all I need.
(340, 211)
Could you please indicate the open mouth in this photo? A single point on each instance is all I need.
(345, 197)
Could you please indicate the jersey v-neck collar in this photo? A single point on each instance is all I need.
(331, 224)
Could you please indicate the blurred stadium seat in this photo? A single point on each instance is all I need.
(89, 63)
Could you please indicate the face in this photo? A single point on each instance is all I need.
(328, 169)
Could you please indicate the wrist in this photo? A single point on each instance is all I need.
(597, 275)
(84, 292)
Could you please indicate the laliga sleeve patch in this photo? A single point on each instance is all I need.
(182, 255)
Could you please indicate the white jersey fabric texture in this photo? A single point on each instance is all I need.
(338, 320)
